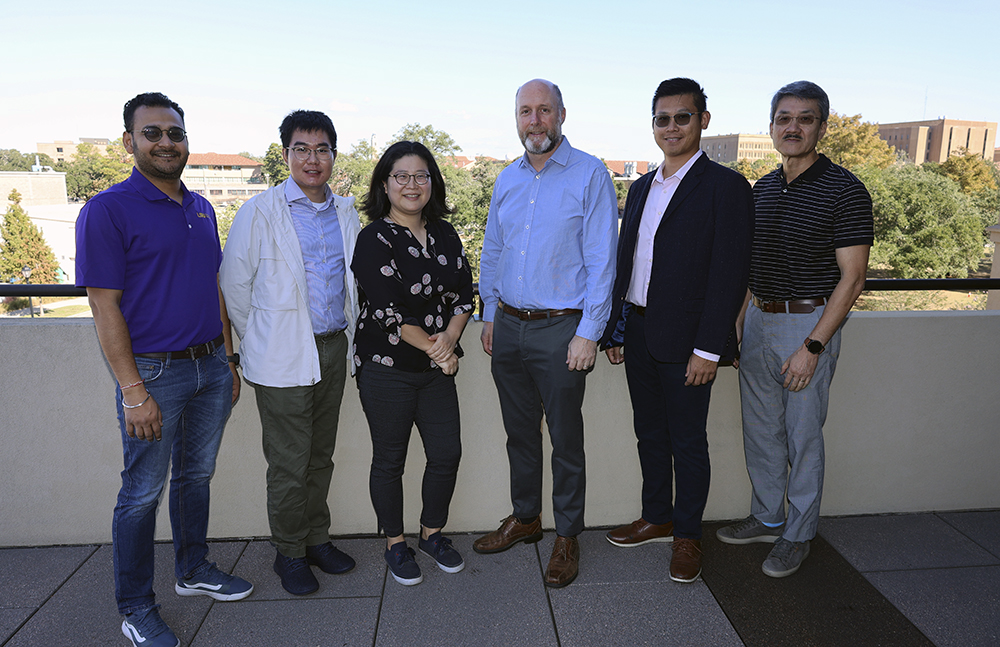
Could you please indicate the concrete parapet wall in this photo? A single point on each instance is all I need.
(912, 427)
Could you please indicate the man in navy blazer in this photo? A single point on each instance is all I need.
(683, 265)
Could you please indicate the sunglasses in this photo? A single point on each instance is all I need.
(155, 133)
(681, 119)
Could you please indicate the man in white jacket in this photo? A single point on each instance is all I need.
(292, 300)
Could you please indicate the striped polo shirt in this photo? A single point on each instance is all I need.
(799, 226)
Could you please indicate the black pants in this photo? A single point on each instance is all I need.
(393, 401)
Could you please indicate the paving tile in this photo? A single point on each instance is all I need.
(498, 599)
(83, 611)
(10, 620)
(640, 613)
(981, 527)
(954, 607)
(291, 623)
(28, 576)
(257, 566)
(902, 542)
(601, 562)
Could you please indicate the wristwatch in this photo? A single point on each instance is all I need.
(814, 346)
(234, 359)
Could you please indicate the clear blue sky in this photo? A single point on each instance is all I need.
(238, 67)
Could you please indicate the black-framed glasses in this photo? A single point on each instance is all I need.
(402, 179)
(803, 120)
(303, 153)
(681, 119)
(154, 134)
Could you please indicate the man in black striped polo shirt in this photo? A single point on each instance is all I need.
(814, 229)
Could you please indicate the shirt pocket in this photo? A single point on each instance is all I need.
(274, 286)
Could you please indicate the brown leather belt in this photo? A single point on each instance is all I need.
(797, 306)
(191, 352)
(532, 315)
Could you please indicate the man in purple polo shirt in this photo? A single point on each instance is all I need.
(148, 254)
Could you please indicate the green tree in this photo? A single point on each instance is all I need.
(470, 222)
(274, 166)
(249, 156)
(851, 142)
(89, 172)
(439, 142)
(756, 169)
(925, 227)
(979, 179)
(12, 159)
(224, 221)
(353, 171)
(21, 243)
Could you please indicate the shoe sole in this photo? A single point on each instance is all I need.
(633, 544)
(407, 582)
(756, 539)
(791, 571)
(529, 539)
(183, 591)
(126, 629)
(317, 565)
(683, 581)
(554, 585)
(446, 569)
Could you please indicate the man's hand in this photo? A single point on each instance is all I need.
(487, 337)
(236, 382)
(799, 368)
(700, 371)
(615, 354)
(145, 422)
(581, 354)
(443, 348)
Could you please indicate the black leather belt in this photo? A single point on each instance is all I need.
(191, 352)
(533, 315)
(639, 310)
(796, 306)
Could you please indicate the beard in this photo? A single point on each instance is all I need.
(163, 168)
(552, 139)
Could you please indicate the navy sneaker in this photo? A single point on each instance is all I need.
(296, 576)
(440, 550)
(215, 584)
(329, 559)
(146, 629)
(403, 567)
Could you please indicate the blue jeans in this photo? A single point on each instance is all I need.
(195, 398)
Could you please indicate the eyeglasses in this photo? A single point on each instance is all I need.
(302, 153)
(803, 120)
(155, 133)
(402, 179)
(681, 119)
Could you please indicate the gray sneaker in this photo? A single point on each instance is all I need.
(748, 531)
(785, 558)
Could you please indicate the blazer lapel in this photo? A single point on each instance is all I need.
(691, 180)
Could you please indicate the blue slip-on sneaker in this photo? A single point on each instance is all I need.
(215, 584)
(441, 551)
(146, 629)
(296, 576)
(329, 559)
(403, 567)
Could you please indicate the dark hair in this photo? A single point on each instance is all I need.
(150, 100)
(307, 121)
(376, 204)
(803, 90)
(679, 85)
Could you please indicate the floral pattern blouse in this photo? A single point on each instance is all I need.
(402, 282)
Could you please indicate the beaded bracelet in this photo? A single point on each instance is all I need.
(135, 406)
(132, 384)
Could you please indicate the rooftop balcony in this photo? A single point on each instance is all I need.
(911, 429)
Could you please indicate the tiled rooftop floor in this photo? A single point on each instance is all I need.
(942, 571)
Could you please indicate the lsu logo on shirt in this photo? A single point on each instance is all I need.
(203, 215)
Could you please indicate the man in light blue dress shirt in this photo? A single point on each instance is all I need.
(292, 299)
(545, 279)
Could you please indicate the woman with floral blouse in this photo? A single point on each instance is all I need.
(415, 291)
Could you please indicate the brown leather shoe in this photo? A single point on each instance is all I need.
(564, 564)
(641, 532)
(509, 533)
(685, 563)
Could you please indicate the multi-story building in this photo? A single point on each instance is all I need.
(738, 146)
(224, 179)
(936, 140)
(63, 151)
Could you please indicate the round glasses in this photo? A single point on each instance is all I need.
(681, 119)
(302, 153)
(155, 133)
(402, 179)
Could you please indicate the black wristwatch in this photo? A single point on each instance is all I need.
(814, 346)
(234, 359)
